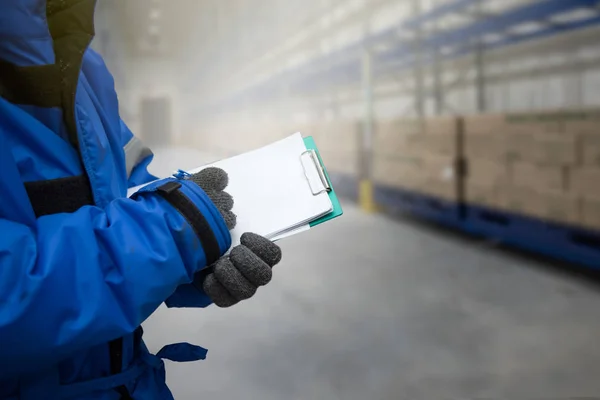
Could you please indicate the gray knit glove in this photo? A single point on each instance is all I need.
(237, 276)
(214, 181)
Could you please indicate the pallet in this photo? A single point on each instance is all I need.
(436, 210)
(345, 186)
(571, 244)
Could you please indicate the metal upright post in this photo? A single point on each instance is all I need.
(480, 68)
(418, 65)
(366, 188)
(480, 80)
(437, 77)
(437, 83)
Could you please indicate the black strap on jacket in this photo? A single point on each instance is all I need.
(170, 192)
(63, 195)
(37, 85)
(71, 24)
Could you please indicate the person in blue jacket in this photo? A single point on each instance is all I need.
(82, 265)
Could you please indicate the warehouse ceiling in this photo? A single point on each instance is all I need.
(163, 27)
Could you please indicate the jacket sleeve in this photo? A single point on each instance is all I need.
(138, 157)
(77, 280)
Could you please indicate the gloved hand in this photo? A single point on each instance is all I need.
(237, 276)
(214, 181)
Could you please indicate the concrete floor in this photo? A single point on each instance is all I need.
(372, 308)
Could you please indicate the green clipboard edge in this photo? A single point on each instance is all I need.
(309, 142)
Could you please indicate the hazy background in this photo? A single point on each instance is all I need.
(374, 305)
(205, 55)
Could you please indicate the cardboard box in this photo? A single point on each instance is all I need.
(585, 121)
(590, 144)
(546, 205)
(519, 146)
(389, 142)
(396, 172)
(412, 163)
(535, 122)
(590, 213)
(503, 124)
(435, 135)
(484, 124)
(441, 125)
(519, 200)
(440, 175)
(557, 207)
(484, 195)
(416, 143)
(411, 126)
(585, 182)
(341, 135)
(443, 189)
(556, 149)
(384, 172)
(345, 163)
(439, 167)
(403, 126)
(385, 132)
(390, 139)
(442, 143)
(586, 124)
(482, 172)
(538, 177)
(487, 146)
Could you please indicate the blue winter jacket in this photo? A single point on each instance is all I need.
(81, 265)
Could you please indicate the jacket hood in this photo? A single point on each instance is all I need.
(24, 35)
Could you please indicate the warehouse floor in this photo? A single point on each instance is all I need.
(368, 307)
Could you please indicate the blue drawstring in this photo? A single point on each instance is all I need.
(182, 352)
(181, 174)
(178, 352)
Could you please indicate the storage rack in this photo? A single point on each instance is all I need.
(411, 44)
(407, 48)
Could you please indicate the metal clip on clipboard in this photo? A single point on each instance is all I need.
(314, 172)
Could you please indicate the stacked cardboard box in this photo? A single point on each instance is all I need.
(585, 180)
(418, 155)
(484, 179)
(231, 136)
(339, 143)
(490, 141)
(550, 163)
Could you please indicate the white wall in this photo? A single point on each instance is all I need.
(152, 77)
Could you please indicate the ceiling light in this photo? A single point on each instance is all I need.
(155, 13)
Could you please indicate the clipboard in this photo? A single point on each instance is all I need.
(337, 211)
(289, 162)
(318, 181)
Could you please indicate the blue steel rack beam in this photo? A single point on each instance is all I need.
(507, 40)
(401, 57)
(437, 13)
(353, 50)
(536, 12)
(532, 13)
(343, 65)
